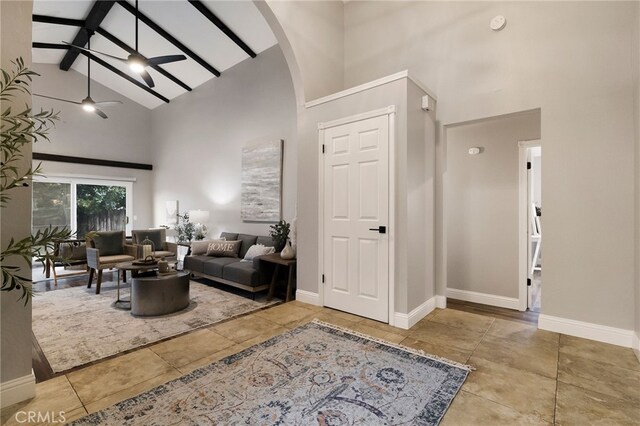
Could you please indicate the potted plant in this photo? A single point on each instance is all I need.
(280, 234)
(18, 129)
(185, 230)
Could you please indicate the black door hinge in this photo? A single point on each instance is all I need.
(528, 165)
(323, 278)
(323, 148)
(528, 282)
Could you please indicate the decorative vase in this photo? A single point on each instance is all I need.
(163, 266)
(288, 252)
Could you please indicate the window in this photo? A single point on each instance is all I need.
(82, 204)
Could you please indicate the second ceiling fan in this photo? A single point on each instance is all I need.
(137, 63)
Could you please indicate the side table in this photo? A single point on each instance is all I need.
(278, 261)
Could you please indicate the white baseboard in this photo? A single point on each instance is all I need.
(586, 330)
(636, 345)
(18, 390)
(483, 298)
(441, 302)
(406, 321)
(308, 297)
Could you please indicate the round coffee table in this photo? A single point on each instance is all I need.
(160, 295)
(135, 272)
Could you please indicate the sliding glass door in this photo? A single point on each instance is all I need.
(83, 205)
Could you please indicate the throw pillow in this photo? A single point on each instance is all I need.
(224, 248)
(258, 250)
(199, 248)
(109, 242)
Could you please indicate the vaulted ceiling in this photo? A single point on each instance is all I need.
(210, 49)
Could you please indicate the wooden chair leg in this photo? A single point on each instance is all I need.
(91, 271)
(99, 282)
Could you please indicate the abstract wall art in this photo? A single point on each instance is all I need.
(261, 197)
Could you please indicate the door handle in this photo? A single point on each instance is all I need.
(380, 229)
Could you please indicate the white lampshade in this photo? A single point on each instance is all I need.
(199, 216)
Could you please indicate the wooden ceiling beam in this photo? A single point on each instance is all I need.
(222, 26)
(58, 21)
(171, 39)
(105, 64)
(95, 17)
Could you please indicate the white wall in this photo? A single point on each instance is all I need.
(548, 57)
(482, 203)
(315, 32)
(197, 141)
(15, 323)
(420, 185)
(124, 136)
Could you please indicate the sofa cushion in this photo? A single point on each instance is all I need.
(247, 242)
(200, 247)
(257, 250)
(228, 236)
(72, 251)
(163, 253)
(154, 235)
(242, 272)
(266, 241)
(222, 248)
(116, 258)
(109, 242)
(214, 266)
(195, 263)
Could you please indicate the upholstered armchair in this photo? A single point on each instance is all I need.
(161, 247)
(104, 250)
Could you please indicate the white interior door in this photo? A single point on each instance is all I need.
(356, 217)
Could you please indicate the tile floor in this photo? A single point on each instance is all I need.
(523, 376)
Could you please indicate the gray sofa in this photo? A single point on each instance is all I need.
(251, 276)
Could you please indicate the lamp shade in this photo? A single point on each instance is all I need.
(199, 216)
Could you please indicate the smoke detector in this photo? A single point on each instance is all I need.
(498, 22)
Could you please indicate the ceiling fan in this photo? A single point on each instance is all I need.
(137, 63)
(87, 103)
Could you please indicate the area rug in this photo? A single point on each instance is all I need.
(75, 326)
(314, 374)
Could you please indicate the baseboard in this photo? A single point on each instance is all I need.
(586, 330)
(484, 298)
(308, 297)
(406, 321)
(441, 302)
(18, 390)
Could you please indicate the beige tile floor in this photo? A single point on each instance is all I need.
(523, 376)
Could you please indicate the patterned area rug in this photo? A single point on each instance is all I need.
(75, 326)
(314, 374)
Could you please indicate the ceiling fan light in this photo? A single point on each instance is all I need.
(88, 104)
(136, 66)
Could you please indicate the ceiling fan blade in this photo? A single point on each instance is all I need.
(57, 99)
(108, 103)
(157, 60)
(95, 51)
(147, 78)
(100, 113)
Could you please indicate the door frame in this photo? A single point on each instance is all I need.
(523, 221)
(390, 112)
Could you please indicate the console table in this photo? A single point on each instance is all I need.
(279, 261)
